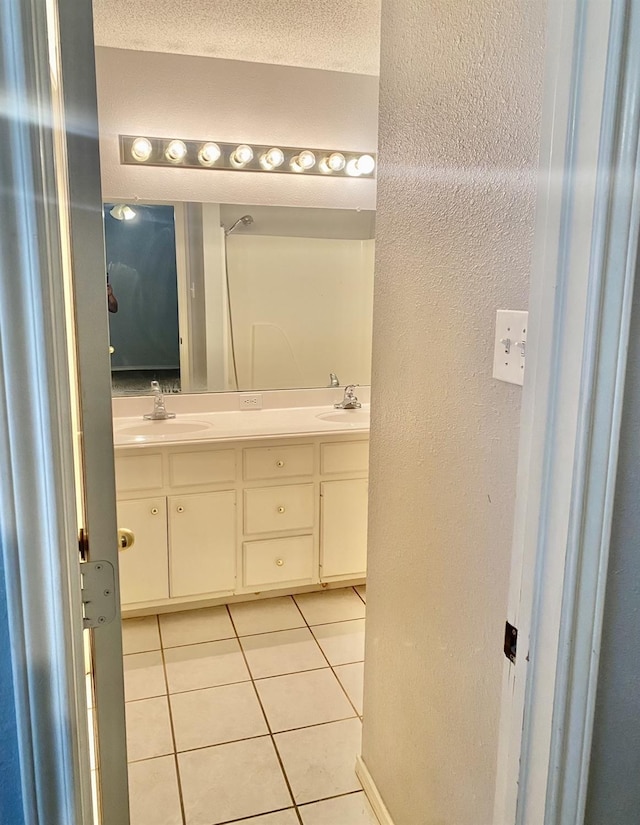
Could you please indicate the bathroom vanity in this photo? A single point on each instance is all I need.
(230, 505)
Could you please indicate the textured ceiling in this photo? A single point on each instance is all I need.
(336, 35)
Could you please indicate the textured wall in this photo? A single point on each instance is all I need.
(614, 791)
(460, 102)
(197, 98)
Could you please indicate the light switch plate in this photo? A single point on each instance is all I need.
(510, 346)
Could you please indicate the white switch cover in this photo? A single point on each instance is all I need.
(510, 346)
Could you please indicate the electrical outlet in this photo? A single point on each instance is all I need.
(510, 346)
(250, 401)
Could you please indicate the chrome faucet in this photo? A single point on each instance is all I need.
(159, 410)
(333, 379)
(350, 401)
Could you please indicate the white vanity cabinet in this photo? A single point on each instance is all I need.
(202, 543)
(213, 521)
(144, 573)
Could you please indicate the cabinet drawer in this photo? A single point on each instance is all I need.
(346, 457)
(278, 462)
(271, 509)
(277, 560)
(138, 472)
(202, 467)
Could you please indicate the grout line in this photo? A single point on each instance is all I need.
(355, 709)
(359, 595)
(273, 741)
(173, 732)
(248, 738)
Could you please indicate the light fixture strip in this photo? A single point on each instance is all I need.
(228, 159)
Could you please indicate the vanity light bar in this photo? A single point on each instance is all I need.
(139, 150)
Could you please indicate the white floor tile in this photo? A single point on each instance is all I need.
(266, 615)
(280, 818)
(302, 699)
(140, 635)
(353, 809)
(228, 782)
(320, 761)
(342, 642)
(192, 626)
(144, 676)
(153, 792)
(361, 590)
(286, 651)
(352, 678)
(205, 665)
(216, 715)
(331, 606)
(148, 729)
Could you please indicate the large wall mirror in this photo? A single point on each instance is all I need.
(221, 297)
(207, 301)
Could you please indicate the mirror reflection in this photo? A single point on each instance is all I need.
(223, 297)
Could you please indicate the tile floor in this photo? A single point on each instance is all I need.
(247, 714)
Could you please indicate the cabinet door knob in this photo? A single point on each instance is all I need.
(280, 463)
(126, 538)
(180, 508)
(154, 511)
(280, 562)
(281, 509)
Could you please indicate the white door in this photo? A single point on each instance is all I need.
(56, 446)
(86, 258)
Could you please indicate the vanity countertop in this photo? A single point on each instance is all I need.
(234, 425)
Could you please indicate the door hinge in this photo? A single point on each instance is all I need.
(83, 544)
(510, 642)
(98, 593)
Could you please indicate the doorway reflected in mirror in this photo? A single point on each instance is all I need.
(140, 242)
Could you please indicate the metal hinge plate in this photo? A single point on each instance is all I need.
(98, 593)
(510, 642)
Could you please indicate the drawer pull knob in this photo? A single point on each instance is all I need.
(280, 562)
(180, 509)
(280, 463)
(154, 511)
(281, 509)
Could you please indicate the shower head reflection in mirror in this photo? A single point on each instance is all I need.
(245, 220)
(219, 297)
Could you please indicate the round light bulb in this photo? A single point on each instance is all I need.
(336, 162)
(209, 153)
(141, 149)
(176, 151)
(242, 154)
(352, 168)
(365, 164)
(272, 158)
(306, 159)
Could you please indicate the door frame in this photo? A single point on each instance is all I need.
(38, 516)
(586, 244)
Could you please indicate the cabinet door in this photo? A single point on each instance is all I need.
(144, 568)
(343, 530)
(202, 543)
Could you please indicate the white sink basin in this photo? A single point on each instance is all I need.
(170, 426)
(342, 417)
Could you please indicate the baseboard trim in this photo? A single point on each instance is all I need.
(372, 793)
